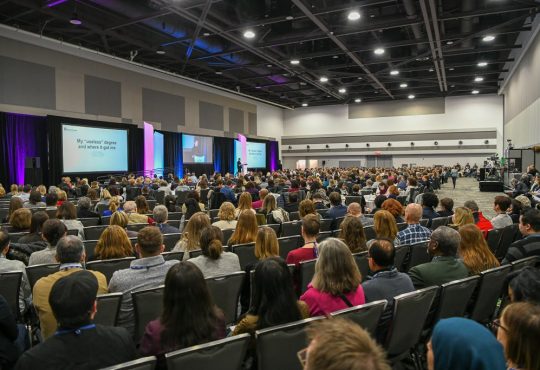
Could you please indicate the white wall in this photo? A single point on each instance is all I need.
(270, 122)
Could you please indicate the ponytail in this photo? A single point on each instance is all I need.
(215, 249)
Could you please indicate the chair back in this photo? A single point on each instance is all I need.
(14, 237)
(72, 232)
(36, 272)
(213, 213)
(225, 292)
(245, 253)
(143, 363)
(106, 220)
(181, 196)
(353, 199)
(337, 223)
(92, 221)
(418, 255)
(101, 207)
(438, 221)
(370, 232)
(361, 260)
(488, 293)
(90, 249)
(160, 196)
(147, 306)
(509, 234)
(455, 297)
(51, 213)
(410, 313)
(94, 232)
(287, 244)
(172, 256)
(151, 204)
(400, 259)
(294, 216)
(275, 227)
(524, 262)
(326, 224)
(10, 286)
(170, 240)
(108, 307)
(424, 222)
(224, 354)
(175, 216)
(307, 270)
(402, 226)
(322, 212)
(136, 227)
(493, 239)
(291, 228)
(366, 315)
(324, 235)
(108, 267)
(227, 233)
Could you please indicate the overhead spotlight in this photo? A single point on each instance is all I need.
(478, 79)
(449, 42)
(411, 96)
(323, 79)
(436, 143)
(160, 51)
(342, 90)
(289, 18)
(353, 15)
(327, 146)
(249, 34)
(389, 144)
(460, 142)
(290, 147)
(486, 142)
(304, 104)
(431, 69)
(219, 72)
(346, 145)
(488, 38)
(403, 85)
(206, 34)
(482, 64)
(412, 143)
(295, 62)
(335, 57)
(450, 69)
(75, 20)
(367, 144)
(307, 147)
(394, 72)
(474, 92)
(257, 86)
(357, 100)
(379, 51)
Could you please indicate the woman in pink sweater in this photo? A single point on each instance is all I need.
(336, 283)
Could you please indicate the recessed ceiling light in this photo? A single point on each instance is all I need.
(403, 85)
(342, 90)
(75, 20)
(269, 65)
(323, 79)
(488, 38)
(450, 69)
(394, 72)
(482, 64)
(411, 96)
(353, 15)
(449, 42)
(257, 86)
(289, 17)
(335, 57)
(379, 51)
(160, 51)
(304, 104)
(219, 73)
(357, 100)
(249, 34)
(302, 83)
(206, 34)
(475, 92)
(478, 79)
(431, 69)
(295, 62)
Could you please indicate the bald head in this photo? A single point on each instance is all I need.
(263, 193)
(354, 209)
(413, 213)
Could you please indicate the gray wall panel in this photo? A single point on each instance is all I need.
(236, 120)
(397, 108)
(102, 96)
(168, 109)
(252, 123)
(28, 84)
(392, 149)
(211, 116)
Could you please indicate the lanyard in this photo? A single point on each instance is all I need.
(140, 267)
(67, 266)
(75, 331)
(315, 249)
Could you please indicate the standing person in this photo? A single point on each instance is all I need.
(239, 165)
(454, 174)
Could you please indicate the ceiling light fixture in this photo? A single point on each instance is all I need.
(249, 34)
(474, 92)
(379, 51)
(488, 38)
(478, 79)
(342, 90)
(304, 104)
(394, 72)
(289, 17)
(219, 73)
(431, 69)
(353, 15)
(323, 79)
(160, 51)
(357, 100)
(206, 34)
(482, 64)
(449, 42)
(295, 62)
(411, 96)
(75, 20)
(403, 85)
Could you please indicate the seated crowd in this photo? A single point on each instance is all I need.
(372, 214)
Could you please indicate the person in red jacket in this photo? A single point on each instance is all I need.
(483, 223)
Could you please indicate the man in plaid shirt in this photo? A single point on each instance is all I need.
(414, 233)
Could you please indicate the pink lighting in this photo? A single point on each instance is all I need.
(148, 147)
(243, 142)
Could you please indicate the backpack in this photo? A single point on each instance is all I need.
(280, 216)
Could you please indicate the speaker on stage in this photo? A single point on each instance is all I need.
(32, 171)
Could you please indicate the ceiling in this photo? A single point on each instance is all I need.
(434, 45)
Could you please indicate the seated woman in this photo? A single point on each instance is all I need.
(273, 213)
(385, 226)
(67, 213)
(194, 195)
(226, 215)
(463, 344)
(84, 204)
(446, 206)
(20, 220)
(307, 207)
(393, 192)
(121, 219)
(244, 204)
(246, 229)
(113, 243)
(191, 235)
(462, 216)
(474, 251)
(34, 200)
(36, 224)
(336, 283)
(15, 203)
(353, 235)
(214, 261)
(189, 316)
(104, 198)
(191, 207)
(114, 205)
(142, 205)
(62, 197)
(395, 208)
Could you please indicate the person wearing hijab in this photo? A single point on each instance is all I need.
(463, 344)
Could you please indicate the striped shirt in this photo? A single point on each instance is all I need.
(414, 233)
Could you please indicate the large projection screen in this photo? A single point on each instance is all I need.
(197, 149)
(256, 153)
(89, 149)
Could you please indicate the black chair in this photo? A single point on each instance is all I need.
(225, 291)
(94, 232)
(294, 216)
(287, 244)
(361, 260)
(36, 272)
(322, 212)
(108, 307)
(170, 240)
(181, 196)
(105, 220)
(195, 253)
(418, 255)
(324, 235)
(455, 297)
(224, 354)
(136, 227)
(488, 293)
(438, 221)
(90, 249)
(143, 363)
(424, 222)
(227, 233)
(100, 208)
(326, 224)
(174, 223)
(307, 270)
(175, 216)
(277, 347)
(10, 286)
(509, 234)
(147, 306)
(72, 232)
(524, 262)
(213, 213)
(172, 256)
(353, 199)
(160, 196)
(400, 259)
(291, 228)
(94, 221)
(493, 239)
(108, 267)
(410, 313)
(337, 223)
(370, 232)
(366, 315)
(402, 226)
(275, 227)
(14, 237)
(245, 253)
(151, 204)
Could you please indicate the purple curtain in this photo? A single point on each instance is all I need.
(21, 136)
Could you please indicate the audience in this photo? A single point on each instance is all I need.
(273, 213)
(9, 336)
(246, 229)
(336, 283)
(67, 213)
(309, 230)
(445, 266)
(307, 207)
(244, 204)
(84, 204)
(130, 208)
(191, 235)
(51, 199)
(354, 209)
(258, 203)
(524, 285)
(53, 230)
(474, 251)
(429, 202)
(34, 200)
(113, 243)
(120, 218)
(337, 209)
(226, 215)
(479, 219)
(414, 233)
(385, 226)
(15, 203)
(446, 207)
(21, 220)
(142, 205)
(529, 226)
(7, 265)
(395, 208)
(352, 234)
(36, 226)
(500, 206)
(161, 216)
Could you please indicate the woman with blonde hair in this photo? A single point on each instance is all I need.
(190, 240)
(307, 207)
(269, 208)
(226, 215)
(462, 216)
(474, 251)
(62, 197)
(121, 219)
(244, 204)
(246, 229)
(336, 284)
(114, 205)
(20, 220)
(113, 243)
(13, 190)
(42, 190)
(352, 233)
(385, 226)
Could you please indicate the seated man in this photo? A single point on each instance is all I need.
(70, 254)
(429, 202)
(14, 265)
(355, 210)
(292, 204)
(479, 219)
(529, 226)
(445, 266)
(78, 343)
(337, 209)
(53, 230)
(84, 206)
(148, 271)
(414, 233)
(500, 205)
(318, 201)
(161, 215)
(131, 210)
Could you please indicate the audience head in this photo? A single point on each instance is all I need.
(352, 233)
(67, 211)
(447, 204)
(339, 344)
(38, 219)
(306, 207)
(160, 214)
(472, 205)
(385, 225)
(4, 241)
(429, 200)
(444, 242)
(15, 203)
(70, 249)
(210, 242)
(244, 202)
(129, 206)
(149, 242)
(354, 209)
(379, 200)
(226, 211)
(413, 213)
(293, 197)
(21, 219)
(269, 204)
(266, 244)
(462, 216)
(336, 271)
(113, 243)
(459, 343)
(51, 199)
(263, 193)
(311, 226)
(53, 230)
(393, 206)
(246, 228)
(529, 222)
(192, 207)
(35, 197)
(119, 218)
(501, 203)
(73, 299)
(62, 195)
(524, 285)
(192, 232)
(381, 254)
(474, 250)
(84, 203)
(335, 198)
(525, 201)
(142, 205)
(519, 333)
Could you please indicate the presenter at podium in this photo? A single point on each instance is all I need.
(239, 165)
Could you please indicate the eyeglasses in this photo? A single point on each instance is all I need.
(302, 357)
(495, 325)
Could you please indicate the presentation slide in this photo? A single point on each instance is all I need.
(197, 149)
(94, 149)
(158, 153)
(256, 154)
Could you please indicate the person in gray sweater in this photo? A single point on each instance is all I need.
(500, 206)
(214, 261)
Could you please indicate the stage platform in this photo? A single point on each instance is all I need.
(491, 186)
